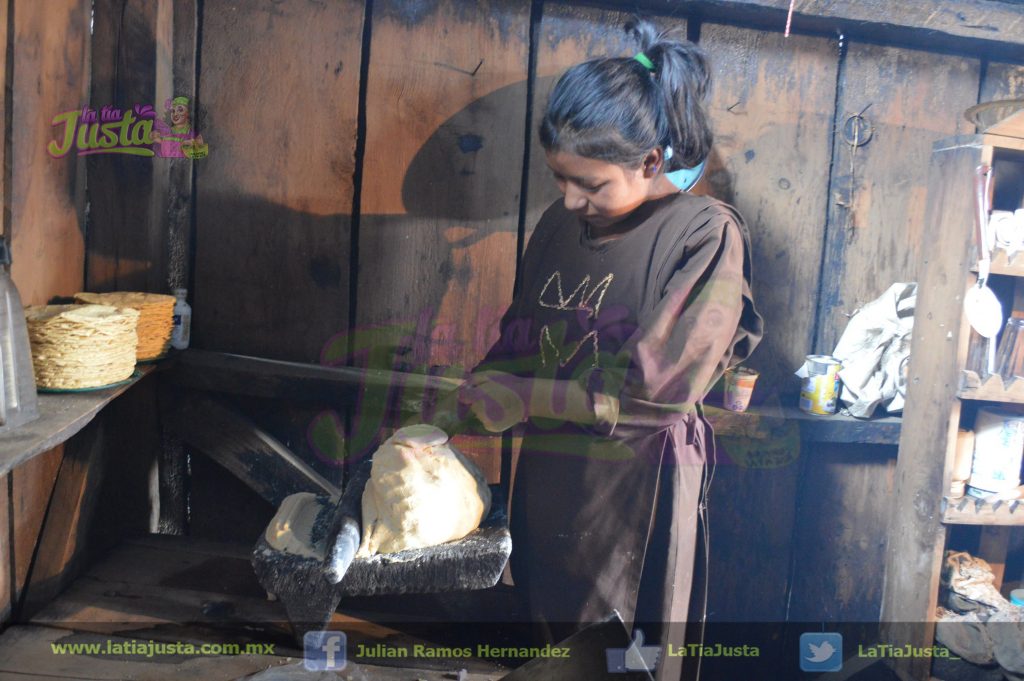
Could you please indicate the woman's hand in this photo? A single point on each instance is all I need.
(498, 400)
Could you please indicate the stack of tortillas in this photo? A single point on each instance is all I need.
(156, 318)
(81, 346)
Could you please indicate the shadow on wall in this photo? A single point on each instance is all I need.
(275, 283)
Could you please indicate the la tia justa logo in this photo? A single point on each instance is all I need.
(136, 131)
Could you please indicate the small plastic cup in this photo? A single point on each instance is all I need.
(739, 386)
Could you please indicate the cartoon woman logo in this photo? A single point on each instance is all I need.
(178, 140)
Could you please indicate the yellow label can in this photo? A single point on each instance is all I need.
(819, 391)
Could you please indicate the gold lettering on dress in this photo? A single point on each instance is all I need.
(581, 299)
(585, 296)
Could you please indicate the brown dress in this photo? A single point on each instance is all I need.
(604, 516)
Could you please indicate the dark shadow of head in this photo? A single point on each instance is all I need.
(462, 172)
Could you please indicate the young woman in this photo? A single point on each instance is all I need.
(634, 298)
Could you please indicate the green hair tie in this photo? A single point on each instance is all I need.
(645, 60)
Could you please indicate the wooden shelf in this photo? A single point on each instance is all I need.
(1003, 265)
(970, 511)
(61, 415)
(991, 389)
(261, 377)
(762, 421)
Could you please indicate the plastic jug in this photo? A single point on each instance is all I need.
(18, 404)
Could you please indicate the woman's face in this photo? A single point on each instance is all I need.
(179, 114)
(601, 193)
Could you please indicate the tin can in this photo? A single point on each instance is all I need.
(819, 391)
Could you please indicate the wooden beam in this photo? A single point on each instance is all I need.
(261, 377)
(965, 25)
(173, 199)
(916, 538)
(169, 491)
(248, 452)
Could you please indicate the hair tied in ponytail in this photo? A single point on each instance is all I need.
(645, 60)
(609, 110)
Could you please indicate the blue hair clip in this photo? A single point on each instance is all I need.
(685, 178)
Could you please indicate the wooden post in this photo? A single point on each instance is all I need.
(169, 489)
(932, 414)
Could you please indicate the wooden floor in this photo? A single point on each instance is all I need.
(173, 590)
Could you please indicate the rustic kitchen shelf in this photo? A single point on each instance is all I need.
(972, 387)
(938, 384)
(61, 415)
(970, 511)
(260, 377)
(1001, 264)
(760, 422)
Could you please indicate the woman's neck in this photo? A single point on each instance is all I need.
(661, 188)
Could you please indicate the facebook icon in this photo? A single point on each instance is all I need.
(324, 651)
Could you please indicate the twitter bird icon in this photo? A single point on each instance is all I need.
(821, 652)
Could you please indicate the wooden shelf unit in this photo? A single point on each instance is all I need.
(61, 415)
(940, 385)
(968, 510)
(1003, 264)
(261, 377)
(992, 389)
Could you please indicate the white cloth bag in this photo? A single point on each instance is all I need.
(874, 350)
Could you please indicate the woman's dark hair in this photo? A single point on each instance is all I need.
(614, 109)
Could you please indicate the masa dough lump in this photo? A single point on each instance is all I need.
(422, 491)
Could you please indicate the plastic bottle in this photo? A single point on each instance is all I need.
(182, 320)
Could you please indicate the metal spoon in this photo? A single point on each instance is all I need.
(983, 310)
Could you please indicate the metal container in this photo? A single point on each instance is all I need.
(819, 390)
(998, 449)
(18, 403)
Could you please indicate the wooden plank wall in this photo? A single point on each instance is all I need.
(278, 90)
(377, 187)
(44, 217)
(434, 241)
(876, 213)
(124, 245)
(440, 204)
(274, 199)
(772, 107)
(47, 204)
(566, 37)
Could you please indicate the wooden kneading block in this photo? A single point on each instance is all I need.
(422, 492)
